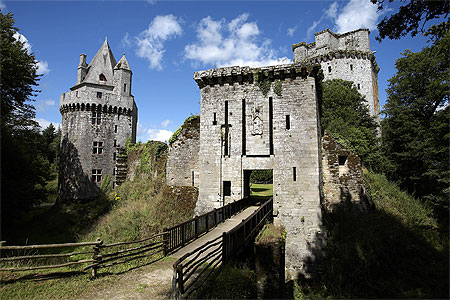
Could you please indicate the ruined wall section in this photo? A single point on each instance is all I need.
(182, 167)
(342, 176)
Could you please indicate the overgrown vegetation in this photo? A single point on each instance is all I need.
(394, 251)
(261, 176)
(185, 124)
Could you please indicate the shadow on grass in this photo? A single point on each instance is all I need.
(375, 256)
(41, 277)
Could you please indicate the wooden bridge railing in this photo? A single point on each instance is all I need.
(181, 234)
(194, 268)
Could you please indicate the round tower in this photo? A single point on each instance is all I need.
(99, 115)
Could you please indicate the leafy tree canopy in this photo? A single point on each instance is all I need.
(416, 124)
(345, 114)
(409, 17)
(17, 78)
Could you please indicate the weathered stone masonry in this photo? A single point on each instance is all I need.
(243, 127)
(345, 56)
(98, 116)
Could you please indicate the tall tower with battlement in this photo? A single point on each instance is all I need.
(345, 56)
(99, 114)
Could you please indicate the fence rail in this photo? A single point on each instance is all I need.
(181, 234)
(194, 268)
(101, 255)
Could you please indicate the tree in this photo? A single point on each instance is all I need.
(416, 124)
(24, 167)
(409, 17)
(345, 114)
(17, 78)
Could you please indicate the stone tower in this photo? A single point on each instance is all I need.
(99, 114)
(345, 56)
(264, 119)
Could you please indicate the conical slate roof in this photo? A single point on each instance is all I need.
(102, 63)
(123, 64)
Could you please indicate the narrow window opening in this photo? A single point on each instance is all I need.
(342, 160)
(114, 156)
(97, 147)
(351, 67)
(96, 175)
(359, 86)
(226, 129)
(270, 126)
(99, 95)
(124, 87)
(64, 96)
(244, 133)
(115, 143)
(114, 172)
(294, 173)
(96, 117)
(227, 188)
(102, 77)
(115, 128)
(215, 119)
(329, 69)
(76, 94)
(193, 178)
(288, 122)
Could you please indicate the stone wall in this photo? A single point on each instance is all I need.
(342, 176)
(264, 118)
(182, 167)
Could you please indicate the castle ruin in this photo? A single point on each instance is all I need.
(99, 114)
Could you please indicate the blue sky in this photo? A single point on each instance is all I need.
(165, 42)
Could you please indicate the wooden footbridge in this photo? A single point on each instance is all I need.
(200, 246)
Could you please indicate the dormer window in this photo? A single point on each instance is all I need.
(102, 77)
(99, 95)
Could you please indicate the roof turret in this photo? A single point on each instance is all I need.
(102, 63)
(123, 64)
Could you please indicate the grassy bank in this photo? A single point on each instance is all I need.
(138, 208)
(393, 251)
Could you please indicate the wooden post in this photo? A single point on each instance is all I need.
(224, 247)
(183, 233)
(180, 279)
(165, 242)
(97, 257)
(206, 221)
(215, 216)
(175, 292)
(196, 227)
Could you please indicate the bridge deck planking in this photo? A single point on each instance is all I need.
(216, 232)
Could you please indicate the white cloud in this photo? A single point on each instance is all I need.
(357, 14)
(126, 41)
(331, 12)
(42, 105)
(235, 43)
(161, 135)
(312, 28)
(290, 31)
(42, 67)
(2, 6)
(150, 42)
(45, 123)
(21, 38)
(165, 123)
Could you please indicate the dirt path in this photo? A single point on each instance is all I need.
(148, 282)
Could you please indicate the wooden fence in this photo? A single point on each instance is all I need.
(181, 234)
(108, 255)
(100, 256)
(194, 268)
